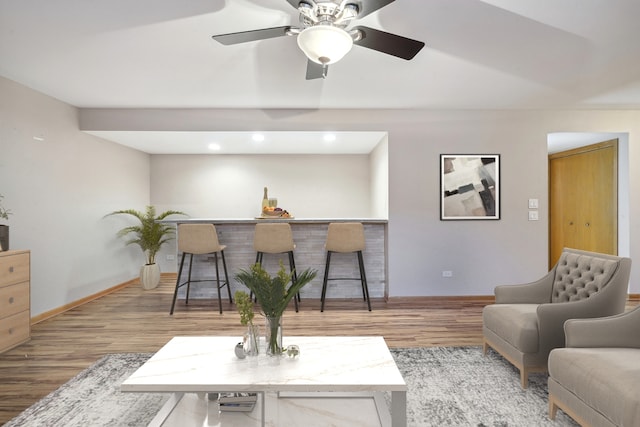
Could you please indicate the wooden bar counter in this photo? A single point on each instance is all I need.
(309, 235)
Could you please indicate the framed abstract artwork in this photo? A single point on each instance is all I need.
(469, 186)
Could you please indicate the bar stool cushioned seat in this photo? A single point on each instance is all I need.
(276, 238)
(200, 239)
(345, 237)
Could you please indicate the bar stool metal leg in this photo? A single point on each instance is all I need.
(363, 279)
(186, 301)
(175, 293)
(294, 278)
(324, 281)
(215, 259)
(226, 276)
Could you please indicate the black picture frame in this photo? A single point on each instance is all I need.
(469, 187)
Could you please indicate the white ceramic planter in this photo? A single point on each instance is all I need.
(150, 276)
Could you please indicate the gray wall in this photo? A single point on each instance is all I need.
(60, 188)
(231, 186)
(481, 254)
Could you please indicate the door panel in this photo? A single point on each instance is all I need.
(583, 199)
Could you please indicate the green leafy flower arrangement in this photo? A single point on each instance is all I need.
(245, 307)
(272, 293)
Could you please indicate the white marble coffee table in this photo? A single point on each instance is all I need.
(339, 378)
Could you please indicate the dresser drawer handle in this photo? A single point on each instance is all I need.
(10, 300)
(11, 269)
(10, 331)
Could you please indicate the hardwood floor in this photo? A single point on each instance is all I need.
(134, 320)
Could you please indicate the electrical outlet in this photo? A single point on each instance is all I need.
(171, 257)
(447, 273)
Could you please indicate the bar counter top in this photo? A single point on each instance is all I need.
(309, 235)
(270, 219)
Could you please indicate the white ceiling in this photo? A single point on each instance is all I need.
(490, 54)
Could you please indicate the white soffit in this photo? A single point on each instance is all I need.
(163, 142)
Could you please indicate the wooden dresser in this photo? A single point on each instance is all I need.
(15, 313)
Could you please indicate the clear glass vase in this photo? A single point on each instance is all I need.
(252, 340)
(273, 335)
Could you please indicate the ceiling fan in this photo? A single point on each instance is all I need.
(324, 37)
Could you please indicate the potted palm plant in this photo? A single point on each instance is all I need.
(150, 235)
(4, 229)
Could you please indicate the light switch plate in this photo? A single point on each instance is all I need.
(533, 215)
(533, 203)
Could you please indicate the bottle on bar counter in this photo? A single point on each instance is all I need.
(265, 200)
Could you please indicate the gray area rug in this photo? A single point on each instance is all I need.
(447, 386)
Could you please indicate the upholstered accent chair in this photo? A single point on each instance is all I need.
(526, 322)
(595, 379)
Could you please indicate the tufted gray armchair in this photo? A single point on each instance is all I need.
(526, 322)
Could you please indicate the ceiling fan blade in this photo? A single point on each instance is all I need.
(250, 36)
(391, 44)
(294, 3)
(316, 71)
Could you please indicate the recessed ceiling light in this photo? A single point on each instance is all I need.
(329, 137)
(214, 147)
(258, 137)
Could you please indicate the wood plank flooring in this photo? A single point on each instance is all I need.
(134, 320)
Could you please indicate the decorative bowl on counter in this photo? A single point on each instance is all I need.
(275, 213)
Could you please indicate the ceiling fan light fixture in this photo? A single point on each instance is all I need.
(324, 44)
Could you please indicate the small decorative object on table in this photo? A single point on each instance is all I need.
(273, 296)
(239, 350)
(293, 351)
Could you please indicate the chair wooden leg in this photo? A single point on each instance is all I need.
(324, 281)
(553, 408)
(175, 293)
(524, 378)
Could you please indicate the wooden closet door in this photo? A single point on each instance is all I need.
(583, 199)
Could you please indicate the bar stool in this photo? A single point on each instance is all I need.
(276, 238)
(200, 239)
(345, 237)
